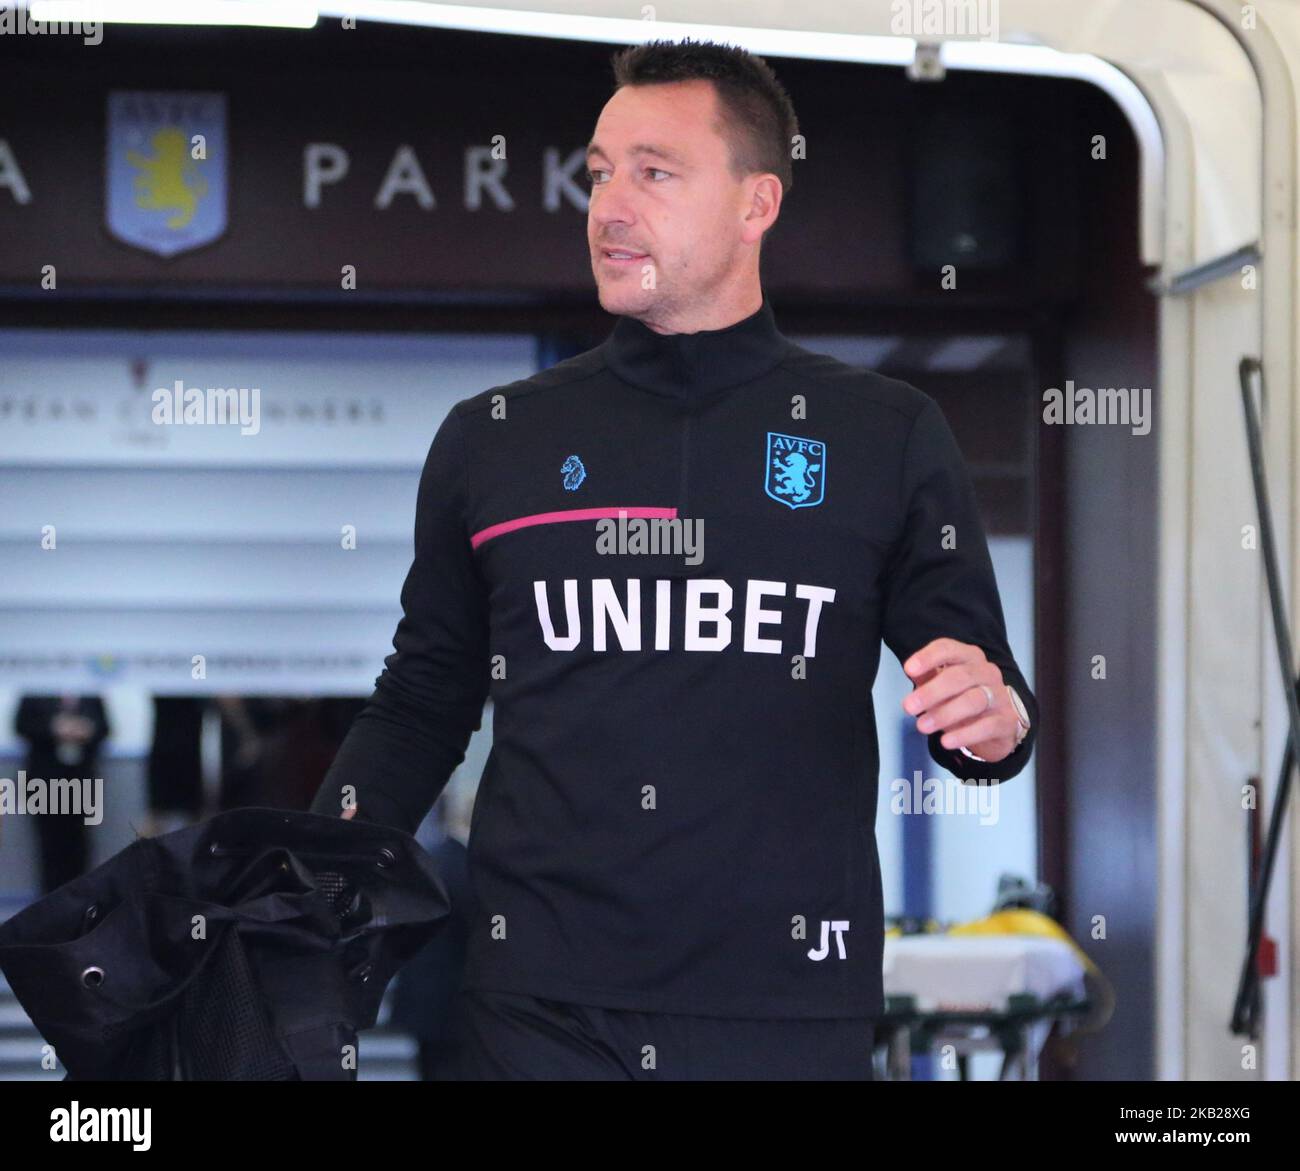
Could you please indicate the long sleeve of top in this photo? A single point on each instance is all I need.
(940, 579)
(413, 731)
(670, 562)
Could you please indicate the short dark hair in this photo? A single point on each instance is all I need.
(758, 119)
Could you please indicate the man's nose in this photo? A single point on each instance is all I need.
(612, 203)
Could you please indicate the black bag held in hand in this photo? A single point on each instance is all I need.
(252, 946)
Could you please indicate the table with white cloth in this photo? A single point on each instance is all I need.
(977, 993)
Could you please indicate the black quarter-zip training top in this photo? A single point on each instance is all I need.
(677, 814)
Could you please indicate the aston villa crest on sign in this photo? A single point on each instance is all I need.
(166, 169)
(795, 470)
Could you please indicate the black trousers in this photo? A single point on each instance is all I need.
(508, 1036)
(64, 845)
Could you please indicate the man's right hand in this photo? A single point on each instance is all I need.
(349, 813)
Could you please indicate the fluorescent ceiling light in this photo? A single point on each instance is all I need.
(963, 353)
(263, 13)
(624, 30)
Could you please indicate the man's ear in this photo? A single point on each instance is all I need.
(762, 199)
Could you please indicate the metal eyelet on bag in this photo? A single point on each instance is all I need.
(387, 857)
(92, 977)
(89, 917)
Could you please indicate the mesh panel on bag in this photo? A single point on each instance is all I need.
(224, 1031)
(337, 889)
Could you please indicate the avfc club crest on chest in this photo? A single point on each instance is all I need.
(795, 470)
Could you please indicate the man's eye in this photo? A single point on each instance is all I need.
(594, 179)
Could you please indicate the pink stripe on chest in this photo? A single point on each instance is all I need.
(550, 518)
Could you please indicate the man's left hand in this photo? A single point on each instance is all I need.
(949, 678)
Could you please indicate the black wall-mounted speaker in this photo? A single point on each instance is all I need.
(966, 197)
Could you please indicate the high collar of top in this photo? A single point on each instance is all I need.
(688, 365)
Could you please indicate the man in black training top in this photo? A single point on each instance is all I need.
(673, 848)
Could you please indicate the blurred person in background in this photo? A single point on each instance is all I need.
(301, 745)
(63, 734)
(175, 769)
(425, 1003)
